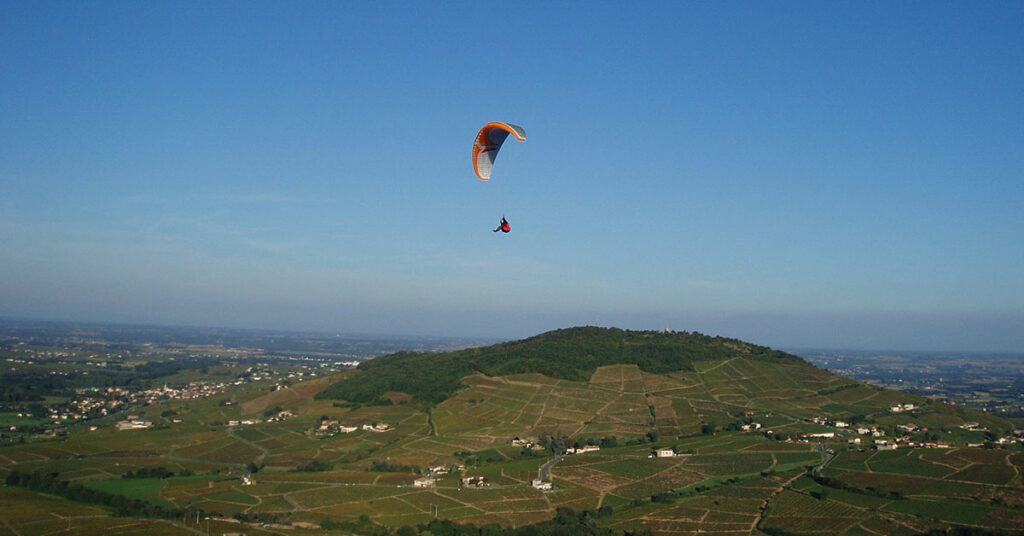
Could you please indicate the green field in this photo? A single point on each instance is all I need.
(147, 489)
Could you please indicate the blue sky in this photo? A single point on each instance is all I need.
(790, 173)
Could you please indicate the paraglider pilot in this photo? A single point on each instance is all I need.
(504, 227)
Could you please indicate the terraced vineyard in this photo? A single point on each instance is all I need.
(724, 480)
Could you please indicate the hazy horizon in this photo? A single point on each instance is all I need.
(793, 348)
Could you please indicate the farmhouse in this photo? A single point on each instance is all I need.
(135, 424)
(583, 450)
(424, 482)
(666, 453)
(475, 482)
(541, 485)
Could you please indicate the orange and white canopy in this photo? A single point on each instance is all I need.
(487, 144)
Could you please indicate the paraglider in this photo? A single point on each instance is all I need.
(485, 151)
(488, 143)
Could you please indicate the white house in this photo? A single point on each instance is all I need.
(134, 425)
(424, 482)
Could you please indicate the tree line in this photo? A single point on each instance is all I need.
(121, 505)
(566, 522)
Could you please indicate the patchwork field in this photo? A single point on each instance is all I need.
(723, 480)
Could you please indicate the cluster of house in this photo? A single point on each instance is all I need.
(332, 426)
(94, 403)
(282, 415)
(899, 442)
(526, 443)
(902, 442)
(844, 427)
(902, 408)
(244, 422)
(191, 391)
(430, 480)
(474, 482)
(531, 444)
(824, 421)
(1016, 436)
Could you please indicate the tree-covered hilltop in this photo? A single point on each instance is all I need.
(571, 354)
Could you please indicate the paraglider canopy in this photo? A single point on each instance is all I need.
(487, 144)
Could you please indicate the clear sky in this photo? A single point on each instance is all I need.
(839, 174)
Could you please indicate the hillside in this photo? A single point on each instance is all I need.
(757, 441)
(569, 354)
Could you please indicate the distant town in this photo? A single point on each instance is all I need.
(993, 383)
(59, 374)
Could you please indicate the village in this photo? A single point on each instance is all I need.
(51, 418)
(906, 435)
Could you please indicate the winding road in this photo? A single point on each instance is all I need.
(546, 468)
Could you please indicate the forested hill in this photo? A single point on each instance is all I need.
(571, 354)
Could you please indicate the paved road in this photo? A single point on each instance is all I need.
(546, 468)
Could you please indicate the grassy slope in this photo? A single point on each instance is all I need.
(570, 354)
